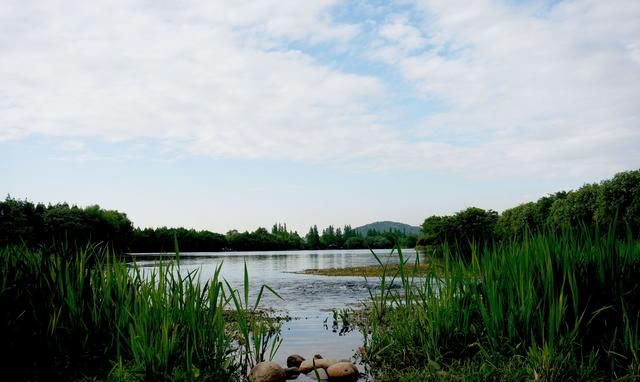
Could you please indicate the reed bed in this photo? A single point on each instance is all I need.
(86, 315)
(551, 307)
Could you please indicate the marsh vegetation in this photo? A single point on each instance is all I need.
(545, 291)
(551, 307)
(86, 315)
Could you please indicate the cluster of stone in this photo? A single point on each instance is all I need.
(317, 368)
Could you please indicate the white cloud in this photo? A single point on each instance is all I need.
(530, 90)
(398, 30)
(215, 78)
(525, 90)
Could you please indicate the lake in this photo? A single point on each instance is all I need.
(308, 299)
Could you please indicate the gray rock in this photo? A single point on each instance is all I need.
(294, 360)
(267, 372)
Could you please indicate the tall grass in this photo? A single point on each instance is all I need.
(257, 334)
(552, 307)
(85, 314)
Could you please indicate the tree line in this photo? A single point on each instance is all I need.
(39, 225)
(22, 221)
(350, 238)
(610, 204)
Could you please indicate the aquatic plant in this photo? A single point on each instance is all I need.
(86, 313)
(553, 306)
(258, 335)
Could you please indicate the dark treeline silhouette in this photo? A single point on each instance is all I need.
(37, 224)
(164, 240)
(613, 203)
(40, 225)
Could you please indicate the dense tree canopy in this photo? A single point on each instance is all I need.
(163, 240)
(461, 230)
(613, 203)
(37, 224)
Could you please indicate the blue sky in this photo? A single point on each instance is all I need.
(237, 114)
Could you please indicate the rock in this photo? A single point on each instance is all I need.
(294, 360)
(343, 371)
(307, 365)
(291, 372)
(267, 372)
(325, 363)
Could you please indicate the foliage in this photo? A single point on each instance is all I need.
(22, 221)
(84, 314)
(551, 307)
(462, 230)
(263, 240)
(313, 238)
(40, 226)
(257, 334)
(620, 197)
(163, 239)
(350, 238)
(597, 205)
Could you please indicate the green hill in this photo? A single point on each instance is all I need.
(385, 226)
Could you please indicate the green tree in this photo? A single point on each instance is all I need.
(620, 197)
(313, 238)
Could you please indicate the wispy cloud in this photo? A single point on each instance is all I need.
(526, 88)
(530, 89)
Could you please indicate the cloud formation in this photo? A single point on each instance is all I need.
(522, 89)
(544, 90)
(207, 76)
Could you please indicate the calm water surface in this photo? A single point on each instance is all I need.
(308, 299)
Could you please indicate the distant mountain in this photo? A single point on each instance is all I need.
(388, 226)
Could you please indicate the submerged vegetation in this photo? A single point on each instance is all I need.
(553, 306)
(85, 315)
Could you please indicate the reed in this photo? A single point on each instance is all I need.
(259, 337)
(553, 307)
(86, 314)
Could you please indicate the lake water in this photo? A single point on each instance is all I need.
(308, 299)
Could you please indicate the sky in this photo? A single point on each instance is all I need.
(234, 114)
